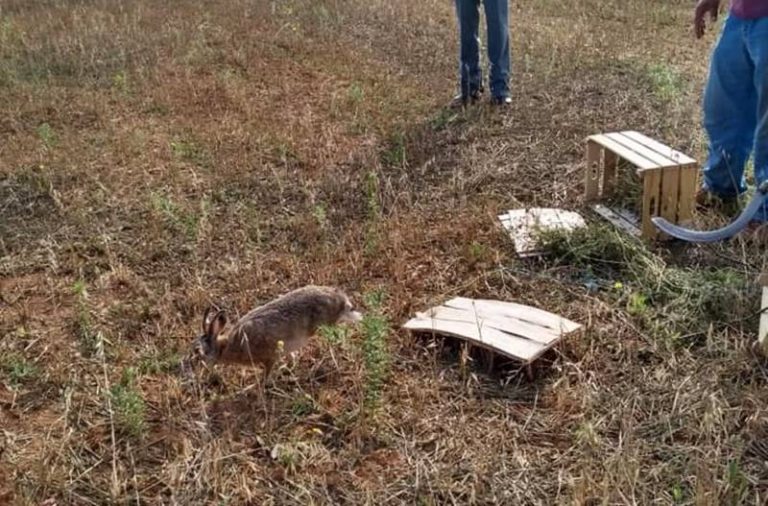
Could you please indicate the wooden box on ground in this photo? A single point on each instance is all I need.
(516, 331)
(669, 180)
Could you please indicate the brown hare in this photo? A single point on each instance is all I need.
(281, 326)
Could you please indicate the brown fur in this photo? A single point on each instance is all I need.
(291, 319)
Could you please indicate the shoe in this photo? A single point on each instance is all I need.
(462, 100)
(501, 101)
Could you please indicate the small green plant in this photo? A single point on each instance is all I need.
(666, 82)
(355, 93)
(336, 335)
(737, 483)
(375, 351)
(320, 215)
(395, 155)
(303, 405)
(120, 81)
(18, 369)
(159, 362)
(637, 304)
(188, 150)
(677, 493)
(47, 135)
(179, 218)
(83, 323)
(128, 404)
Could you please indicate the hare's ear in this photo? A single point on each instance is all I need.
(217, 324)
(207, 318)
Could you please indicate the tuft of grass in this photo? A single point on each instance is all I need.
(188, 150)
(375, 351)
(83, 323)
(179, 218)
(666, 82)
(47, 135)
(336, 335)
(159, 362)
(18, 369)
(395, 154)
(128, 404)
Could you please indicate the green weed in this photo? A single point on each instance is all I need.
(375, 351)
(83, 323)
(128, 404)
(47, 135)
(18, 369)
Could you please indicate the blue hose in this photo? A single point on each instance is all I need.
(758, 200)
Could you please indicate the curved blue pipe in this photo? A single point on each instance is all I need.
(757, 202)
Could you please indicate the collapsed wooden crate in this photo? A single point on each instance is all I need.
(515, 331)
(669, 180)
(524, 224)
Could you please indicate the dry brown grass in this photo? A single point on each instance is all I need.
(158, 156)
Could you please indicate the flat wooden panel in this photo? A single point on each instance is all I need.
(763, 331)
(617, 220)
(675, 156)
(646, 152)
(520, 328)
(688, 187)
(524, 224)
(670, 186)
(610, 166)
(624, 152)
(592, 171)
(651, 186)
(512, 346)
(763, 279)
(510, 309)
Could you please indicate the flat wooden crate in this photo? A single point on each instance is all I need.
(516, 331)
(669, 180)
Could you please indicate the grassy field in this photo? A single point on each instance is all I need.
(156, 157)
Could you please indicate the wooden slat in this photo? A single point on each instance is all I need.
(688, 187)
(610, 165)
(592, 171)
(673, 155)
(762, 334)
(512, 346)
(762, 280)
(670, 186)
(617, 220)
(510, 325)
(510, 309)
(651, 184)
(624, 152)
(646, 152)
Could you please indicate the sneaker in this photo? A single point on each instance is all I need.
(461, 100)
(501, 101)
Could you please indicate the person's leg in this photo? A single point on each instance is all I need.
(729, 111)
(758, 49)
(497, 19)
(471, 78)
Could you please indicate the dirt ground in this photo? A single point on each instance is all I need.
(158, 157)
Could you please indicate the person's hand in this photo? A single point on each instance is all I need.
(702, 8)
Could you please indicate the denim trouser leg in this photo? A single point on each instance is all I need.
(468, 14)
(758, 49)
(730, 102)
(497, 19)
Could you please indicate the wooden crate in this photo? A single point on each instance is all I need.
(669, 180)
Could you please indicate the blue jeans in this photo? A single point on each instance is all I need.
(736, 108)
(497, 20)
